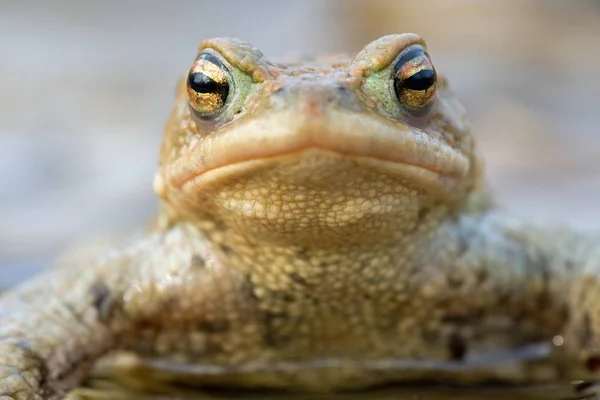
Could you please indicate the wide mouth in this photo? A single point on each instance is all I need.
(281, 135)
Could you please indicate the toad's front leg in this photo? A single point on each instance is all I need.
(524, 282)
(54, 327)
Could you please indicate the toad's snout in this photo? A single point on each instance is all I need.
(314, 99)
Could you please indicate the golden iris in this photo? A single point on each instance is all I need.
(415, 79)
(207, 85)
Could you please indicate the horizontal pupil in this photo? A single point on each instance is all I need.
(421, 80)
(201, 83)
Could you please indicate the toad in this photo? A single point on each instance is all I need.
(324, 225)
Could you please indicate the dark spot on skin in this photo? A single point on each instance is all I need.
(363, 264)
(569, 265)
(463, 245)
(481, 275)
(565, 313)
(455, 319)
(144, 343)
(213, 347)
(503, 296)
(457, 346)
(247, 288)
(431, 336)
(423, 212)
(586, 335)
(539, 266)
(544, 299)
(283, 295)
(464, 320)
(298, 279)
(463, 242)
(197, 261)
(273, 336)
(170, 304)
(225, 249)
(303, 254)
(145, 325)
(593, 363)
(454, 282)
(71, 309)
(212, 327)
(102, 301)
(220, 225)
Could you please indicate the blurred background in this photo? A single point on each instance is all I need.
(86, 86)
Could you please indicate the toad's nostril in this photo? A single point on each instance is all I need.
(339, 94)
(279, 91)
(343, 91)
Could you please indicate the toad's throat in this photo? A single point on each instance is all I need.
(313, 197)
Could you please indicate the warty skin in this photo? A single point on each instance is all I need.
(324, 226)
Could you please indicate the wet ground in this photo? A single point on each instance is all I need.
(86, 87)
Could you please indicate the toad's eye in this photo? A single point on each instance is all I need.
(415, 79)
(207, 85)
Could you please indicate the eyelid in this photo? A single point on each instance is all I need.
(409, 54)
(414, 56)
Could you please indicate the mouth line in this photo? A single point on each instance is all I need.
(343, 134)
(240, 163)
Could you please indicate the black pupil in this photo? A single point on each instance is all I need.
(201, 83)
(421, 80)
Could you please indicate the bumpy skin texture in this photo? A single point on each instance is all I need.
(314, 234)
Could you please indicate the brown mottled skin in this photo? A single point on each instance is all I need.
(316, 233)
